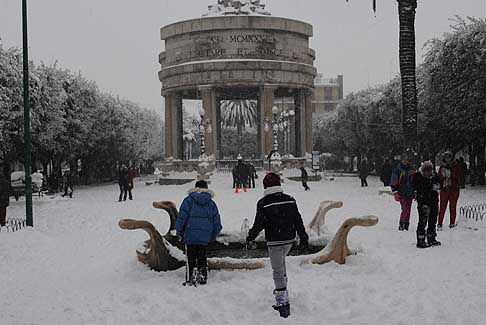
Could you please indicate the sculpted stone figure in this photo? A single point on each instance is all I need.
(236, 7)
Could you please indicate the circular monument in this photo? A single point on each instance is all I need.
(237, 52)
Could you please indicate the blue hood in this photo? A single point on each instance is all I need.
(201, 196)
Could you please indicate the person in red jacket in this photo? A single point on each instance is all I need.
(450, 174)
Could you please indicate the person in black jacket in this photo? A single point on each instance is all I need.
(123, 183)
(279, 215)
(252, 174)
(304, 178)
(386, 172)
(426, 184)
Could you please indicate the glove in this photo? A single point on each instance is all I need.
(396, 196)
(304, 244)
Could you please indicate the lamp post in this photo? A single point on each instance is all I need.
(27, 144)
(203, 126)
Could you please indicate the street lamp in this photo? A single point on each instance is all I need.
(203, 126)
(27, 143)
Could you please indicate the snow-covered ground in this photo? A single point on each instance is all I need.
(78, 267)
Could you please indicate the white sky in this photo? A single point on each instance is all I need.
(116, 42)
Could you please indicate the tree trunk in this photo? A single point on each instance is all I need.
(406, 9)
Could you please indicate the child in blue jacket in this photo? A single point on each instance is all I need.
(197, 224)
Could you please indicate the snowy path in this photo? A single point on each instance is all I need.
(78, 267)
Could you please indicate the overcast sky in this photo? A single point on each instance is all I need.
(116, 42)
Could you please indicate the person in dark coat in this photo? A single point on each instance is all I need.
(198, 223)
(123, 183)
(304, 178)
(252, 175)
(364, 171)
(450, 174)
(67, 181)
(386, 172)
(426, 186)
(277, 213)
(242, 173)
(5, 192)
(401, 184)
(464, 171)
(131, 176)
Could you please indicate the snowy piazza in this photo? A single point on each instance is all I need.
(243, 162)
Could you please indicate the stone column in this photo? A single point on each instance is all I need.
(265, 102)
(168, 127)
(309, 144)
(209, 99)
(300, 123)
(173, 126)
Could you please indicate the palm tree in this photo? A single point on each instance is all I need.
(406, 12)
(239, 114)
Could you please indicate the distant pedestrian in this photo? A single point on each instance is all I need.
(426, 186)
(67, 181)
(5, 192)
(241, 173)
(403, 192)
(197, 224)
(252, 175)
(386, 172)
(305, 178)
(364, 170)
(464, 171)
(131, 176)
(278, 214)
(450, 174)
(123, 183)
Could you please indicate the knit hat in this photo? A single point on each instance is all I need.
(427, 166)
(202, 184)
(271, 180)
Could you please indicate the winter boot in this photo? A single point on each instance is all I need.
(192, 278)
(405, 225)
(432, 241)
(203, 276)
(439, 227)
(452, 226)
(421, 242)
(237, 189)
(282, 302)
(245, 189)
(401, 227)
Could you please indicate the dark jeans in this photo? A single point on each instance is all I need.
(364, 182)
(251, 182)
(196, 257)
(427, 216)
(123, 192)
(306, 187)
(66, 190)
(3, 216)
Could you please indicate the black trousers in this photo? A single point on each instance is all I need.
(304, 184)
(196, 257)
(123, 192)
(364, 182)
(251, 182)
(428, 212)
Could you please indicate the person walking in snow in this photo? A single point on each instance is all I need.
(304, 178)
(426, 185)
(5, 192)
(450, 184)
(386, 172)
(67, 181)
(241, 172)
(464, 171)
(131, 173)
(364, 171)
(252, 175)
(123, 183)
(277, 213)
(401, 184)
(198, 223)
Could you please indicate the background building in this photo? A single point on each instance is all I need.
(328, 93)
